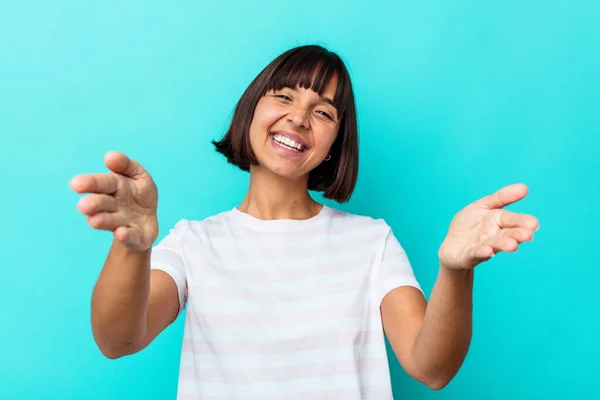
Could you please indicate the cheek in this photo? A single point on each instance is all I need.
(325, 140)
(264, 117)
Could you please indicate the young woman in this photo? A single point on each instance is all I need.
(287, 298)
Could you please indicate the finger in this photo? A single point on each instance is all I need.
(127, 235)
(505, 196)
(121, 164)
(519, 234)
(97, 203)
(482, 252)
(106, 221)
(509, 219)
(502, 243)
(95, 183)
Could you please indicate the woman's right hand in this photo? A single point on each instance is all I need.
(123, 201)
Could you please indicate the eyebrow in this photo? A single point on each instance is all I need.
(324, 99)
(328, 101)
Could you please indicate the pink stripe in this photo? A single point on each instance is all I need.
(261, 293)
(256, 375)
(194, 396)
(199, 346)
(364, 393)
(262, 248)
(317, 315)
(277, 272)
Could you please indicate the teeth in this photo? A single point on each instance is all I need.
(288, 142)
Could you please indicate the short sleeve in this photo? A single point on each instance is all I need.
(395, 268)
(167, 256)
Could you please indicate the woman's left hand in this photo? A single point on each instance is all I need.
(483, 229)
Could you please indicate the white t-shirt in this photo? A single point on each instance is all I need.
(283, 309)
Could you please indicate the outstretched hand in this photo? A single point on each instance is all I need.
(483, 228)
(123, 201)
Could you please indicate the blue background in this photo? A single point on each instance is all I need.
(455, 100)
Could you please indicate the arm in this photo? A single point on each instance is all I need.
(432, 340)
(131, 304)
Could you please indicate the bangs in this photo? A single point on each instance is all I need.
(313, 68)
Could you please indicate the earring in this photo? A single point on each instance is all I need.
(328, 157)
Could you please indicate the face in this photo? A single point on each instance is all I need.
(293, 129)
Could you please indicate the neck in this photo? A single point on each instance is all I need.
(272, 197)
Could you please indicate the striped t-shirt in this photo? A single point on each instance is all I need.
(283, 309)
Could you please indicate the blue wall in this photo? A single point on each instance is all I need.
(455, 99)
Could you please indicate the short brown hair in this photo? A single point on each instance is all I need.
(310, 67)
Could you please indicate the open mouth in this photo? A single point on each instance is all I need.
(288, 143)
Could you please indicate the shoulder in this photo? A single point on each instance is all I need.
(186, 226)
(349, 221)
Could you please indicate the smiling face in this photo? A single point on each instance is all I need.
(297, 111)
(293, 129)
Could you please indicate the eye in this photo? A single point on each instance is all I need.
(282, 97)
(325, 114)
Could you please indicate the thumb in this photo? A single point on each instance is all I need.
(480, 253)
(121, 164)
(128, 235)
(505, 196)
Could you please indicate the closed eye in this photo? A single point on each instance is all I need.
(282, 97)
(325, 114)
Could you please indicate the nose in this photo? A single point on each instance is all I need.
(298, 117)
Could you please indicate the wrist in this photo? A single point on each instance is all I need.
(456, 274)
(131, 251)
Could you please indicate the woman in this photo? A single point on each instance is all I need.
(286, 297)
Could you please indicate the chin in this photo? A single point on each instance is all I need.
(284, 171)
